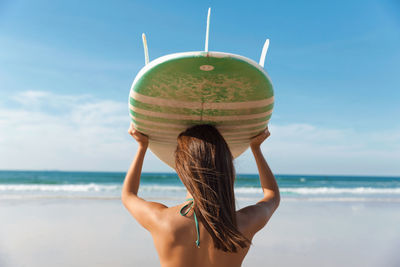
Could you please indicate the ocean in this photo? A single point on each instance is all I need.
(107, 185)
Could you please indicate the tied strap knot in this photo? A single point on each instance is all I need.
(188, 207)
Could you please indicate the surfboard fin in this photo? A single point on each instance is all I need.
(264, 53)
(208, 29)
(146, 50)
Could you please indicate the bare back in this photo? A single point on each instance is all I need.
(175, 237)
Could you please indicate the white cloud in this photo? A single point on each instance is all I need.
(32, 99)
(307, 149)
(66, 132)
(80, 132)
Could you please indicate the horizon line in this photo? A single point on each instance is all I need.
(147, 172)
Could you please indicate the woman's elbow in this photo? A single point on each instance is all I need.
(272, 197)
(124, 197)
(277, 200)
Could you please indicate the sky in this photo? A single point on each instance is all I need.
(66, 68)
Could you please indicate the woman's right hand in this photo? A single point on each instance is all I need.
(142, 139)
(258, 139)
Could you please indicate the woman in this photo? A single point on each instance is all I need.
(206, 229)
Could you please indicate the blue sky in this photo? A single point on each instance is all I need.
(66, 68)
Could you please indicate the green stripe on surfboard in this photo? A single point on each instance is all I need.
(199, 112)
(156, 127)
(194, 122)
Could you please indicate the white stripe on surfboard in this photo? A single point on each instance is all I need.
(165, 124)
(238, 127)
(184, 126)
(164, 115)
(198, 105)
(171, 138)
(232, 145)
(170, 135)
(176, 132)
(197, 117)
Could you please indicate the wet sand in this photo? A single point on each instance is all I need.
(93, 232)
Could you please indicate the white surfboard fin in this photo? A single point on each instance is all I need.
(208, 29)
(264, 53)
(146, 50)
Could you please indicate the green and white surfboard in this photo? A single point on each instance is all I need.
(176, 91)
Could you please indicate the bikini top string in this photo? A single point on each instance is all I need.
(188, 207)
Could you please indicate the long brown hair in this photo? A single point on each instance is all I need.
(204, 163)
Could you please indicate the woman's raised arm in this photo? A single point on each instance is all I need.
(268, 183)
(145, 212)
(259, 214)
(132, 178)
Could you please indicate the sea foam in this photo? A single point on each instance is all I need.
(94, 187)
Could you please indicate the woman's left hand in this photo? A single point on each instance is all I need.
(142, 139)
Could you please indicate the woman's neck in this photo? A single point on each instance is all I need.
(188, 195)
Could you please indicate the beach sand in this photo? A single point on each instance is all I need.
(93, 232)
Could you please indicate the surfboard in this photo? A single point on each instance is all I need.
(176, 91)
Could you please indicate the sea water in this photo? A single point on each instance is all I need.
(108, 185)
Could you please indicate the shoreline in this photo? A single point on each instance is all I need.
(333, 175)
(10, 198)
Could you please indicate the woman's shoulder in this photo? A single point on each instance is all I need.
(174, 229)
(171, 221)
